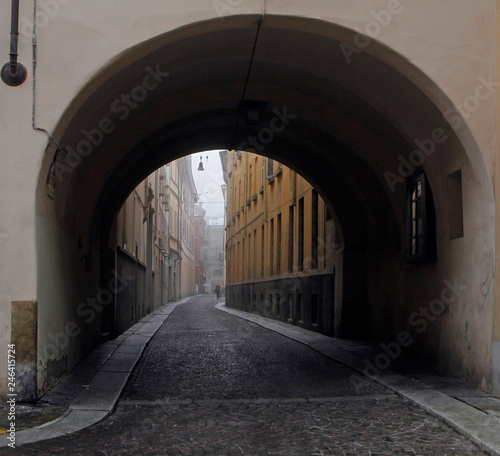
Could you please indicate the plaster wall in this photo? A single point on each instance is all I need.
(451, 42)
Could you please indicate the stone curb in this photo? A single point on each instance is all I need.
(98, 400)
(480, 427)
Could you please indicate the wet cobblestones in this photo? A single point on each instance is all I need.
(212, 384)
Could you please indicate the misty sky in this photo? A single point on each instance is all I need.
(208, 184)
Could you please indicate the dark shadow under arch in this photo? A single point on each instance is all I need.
(352, 123)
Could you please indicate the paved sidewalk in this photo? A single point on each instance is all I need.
(472, 412)
(90, 392)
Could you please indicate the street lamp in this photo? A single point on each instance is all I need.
(200, 166)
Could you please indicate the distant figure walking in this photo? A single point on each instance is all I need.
(217, 291)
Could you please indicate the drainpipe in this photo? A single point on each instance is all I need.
(14, 73)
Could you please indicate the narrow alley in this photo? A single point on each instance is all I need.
(212, 383)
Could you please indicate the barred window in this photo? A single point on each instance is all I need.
(420, 220)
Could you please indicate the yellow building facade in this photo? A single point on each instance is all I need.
(280, 244)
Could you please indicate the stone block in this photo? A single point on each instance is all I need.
(24, 319)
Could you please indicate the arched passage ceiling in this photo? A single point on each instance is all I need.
(351, 120)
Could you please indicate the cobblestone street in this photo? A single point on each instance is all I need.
(211, 383)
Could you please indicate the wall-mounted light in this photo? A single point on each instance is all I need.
(254, 110)
(14, 73)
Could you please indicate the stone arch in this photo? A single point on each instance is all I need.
(352, 121)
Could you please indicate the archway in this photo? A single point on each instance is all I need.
(346, 126)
